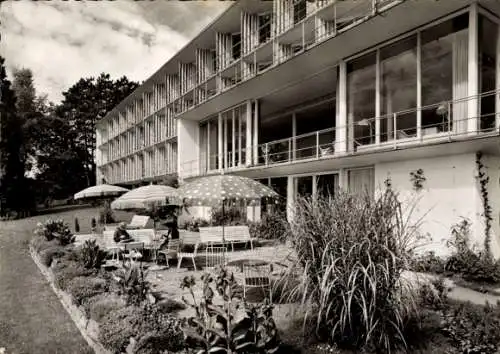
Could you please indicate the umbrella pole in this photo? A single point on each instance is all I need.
(223, 236)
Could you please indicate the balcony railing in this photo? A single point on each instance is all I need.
(441, 122)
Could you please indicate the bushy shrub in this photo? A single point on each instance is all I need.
(77, 225)
(158, 332)
(473, 328)
(91, 255)
(471, 264)
(47, 255)
(352, 250)
(230, 216)
(273, 226)
(106, 215)
(82, 288)
(170, 305)
(433, 294)
(117, 327)
(66, 270)
(101, 305)
(57, 229)
(154, 331)
(194, 225)
(429, 263)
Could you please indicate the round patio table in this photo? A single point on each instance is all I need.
(251, 262)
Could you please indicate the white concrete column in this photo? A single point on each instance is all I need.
(290, 198)
(220, 144)
(497, 101)
(294, 134)
(377, 100)
(256, 133)
(248, 145)
(341, 119)
(419, 85)
(473, 71)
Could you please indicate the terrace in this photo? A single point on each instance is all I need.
(432, 125)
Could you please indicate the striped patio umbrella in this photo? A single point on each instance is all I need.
(100, 191)
(147, 197)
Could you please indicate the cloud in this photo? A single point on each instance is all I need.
(64, 41)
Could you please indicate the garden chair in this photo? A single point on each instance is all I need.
(214, 256)
(257, 275)
(171, 251)
(192, 255)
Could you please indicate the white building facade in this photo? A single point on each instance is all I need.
(312, 96)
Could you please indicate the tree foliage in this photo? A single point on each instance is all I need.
(13, 185)
(56, 143)
(87, 101)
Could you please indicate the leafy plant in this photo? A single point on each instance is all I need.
(132, 283)
(417, 179)
(484, 179)
(194, 224)
(83, 288)
(101, 305)
(472, 328)
(153, 330)
(65, 270)
(273, 226)
(91, 255)
(49, 254)
(230, 216)
(55, 229)
(106, 215)
(467, 262)
(214, 329)
(429, 263)
(352, 250)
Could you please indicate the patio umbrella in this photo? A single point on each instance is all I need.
(147, 197)
(212, 190)
(100, 191)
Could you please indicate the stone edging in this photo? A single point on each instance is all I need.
(74, 312)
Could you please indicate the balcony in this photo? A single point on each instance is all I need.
(444, 122)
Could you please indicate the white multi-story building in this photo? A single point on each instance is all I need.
(311, 96)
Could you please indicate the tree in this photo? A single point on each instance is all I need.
(84, 104)
(13, 184)
(27, 105)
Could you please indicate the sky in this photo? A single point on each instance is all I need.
(63, 41)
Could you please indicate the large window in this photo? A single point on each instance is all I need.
(488, 39)
(361, 181)
(398, 89)
(361, 94)
(233, 134)
(444, 75)
(327, 185)
(320, 117)
(444, 82)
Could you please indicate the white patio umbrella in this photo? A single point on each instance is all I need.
(213, 190)
(147, 197)
(100, 191)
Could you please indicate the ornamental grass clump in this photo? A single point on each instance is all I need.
(352, 251)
